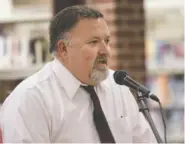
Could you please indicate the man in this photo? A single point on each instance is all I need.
(55, 106)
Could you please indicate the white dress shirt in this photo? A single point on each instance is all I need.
(50, 107)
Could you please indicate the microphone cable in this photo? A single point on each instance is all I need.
(155, 98)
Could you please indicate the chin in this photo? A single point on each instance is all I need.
(99, 75)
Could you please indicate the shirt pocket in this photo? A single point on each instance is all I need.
(121, 130)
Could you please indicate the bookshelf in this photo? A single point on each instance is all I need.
(24, 35)
(22, 18)
(18, 73)
(165, 64)
(162, 71)
(24, 47)
(163, 4)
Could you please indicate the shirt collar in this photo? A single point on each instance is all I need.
(66, 78)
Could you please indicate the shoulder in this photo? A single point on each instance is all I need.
(43, 75)
(29, 91)
(35, 81)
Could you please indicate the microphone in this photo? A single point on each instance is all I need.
(122, 78)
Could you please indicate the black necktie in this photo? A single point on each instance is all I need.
(100, 121)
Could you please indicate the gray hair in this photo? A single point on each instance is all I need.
(66, 19)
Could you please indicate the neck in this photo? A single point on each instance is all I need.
(84, 80)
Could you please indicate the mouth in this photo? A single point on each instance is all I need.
(102, 61)
(101, 65)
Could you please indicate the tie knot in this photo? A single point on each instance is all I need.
(89, 89)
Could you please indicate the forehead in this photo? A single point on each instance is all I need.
(91, 27)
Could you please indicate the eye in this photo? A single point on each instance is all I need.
(107, 41)
(93, 42)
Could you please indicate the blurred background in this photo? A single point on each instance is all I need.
(147, 42)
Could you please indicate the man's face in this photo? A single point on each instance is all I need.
(88, 51)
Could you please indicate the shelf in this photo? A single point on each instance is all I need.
(26, 17)
(174, 108)
(161, 71)
(18, 73)
(163, 4)
(176, 139)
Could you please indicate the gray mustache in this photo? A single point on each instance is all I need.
(102, 59)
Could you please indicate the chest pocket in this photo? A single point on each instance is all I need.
(121, 130)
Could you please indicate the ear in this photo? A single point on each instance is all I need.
(62, 49)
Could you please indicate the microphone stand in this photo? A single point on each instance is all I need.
(144, 109)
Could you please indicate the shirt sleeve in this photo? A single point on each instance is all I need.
(141, 130)
(24, 119)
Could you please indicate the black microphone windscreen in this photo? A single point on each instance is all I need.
(119, 75)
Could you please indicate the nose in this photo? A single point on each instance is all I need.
(104, 49)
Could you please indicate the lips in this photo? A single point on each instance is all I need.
(102, 62)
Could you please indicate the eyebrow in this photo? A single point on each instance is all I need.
(96, 37)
